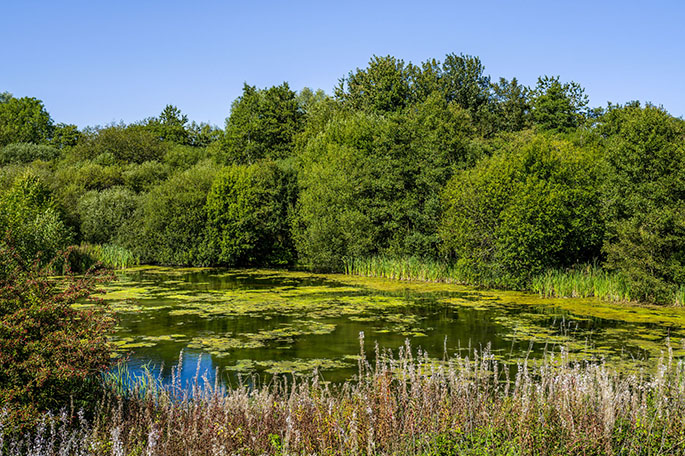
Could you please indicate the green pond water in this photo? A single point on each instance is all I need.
(238, 322)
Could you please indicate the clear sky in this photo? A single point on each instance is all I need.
(94, 62)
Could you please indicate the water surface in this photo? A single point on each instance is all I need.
(267, 322)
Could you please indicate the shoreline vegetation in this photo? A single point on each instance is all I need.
(402, 403)
(578, 282)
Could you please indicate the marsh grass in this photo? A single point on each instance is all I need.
(110, 256)
(406, 268)
(582, 282)
(403, 403)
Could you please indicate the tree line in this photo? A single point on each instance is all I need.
(436, 161)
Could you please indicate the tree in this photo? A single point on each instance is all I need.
(24, 120)
(124, 143)
(369, 182)
(558, 106)
(65, 135)
(644, 198)
(262, 124)
(29, 217)
(170, 224)
(171, 125)
(249, 209)
(463, 80)
(511, 109)
(384, 86)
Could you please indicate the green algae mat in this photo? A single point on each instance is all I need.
(265, 322)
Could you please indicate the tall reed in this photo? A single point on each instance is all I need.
(107, 255)
(404, 404)
(582, 282)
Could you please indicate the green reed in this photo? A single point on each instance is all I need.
(107, 255)
(582, 282)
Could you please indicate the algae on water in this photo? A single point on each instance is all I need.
(278, 321)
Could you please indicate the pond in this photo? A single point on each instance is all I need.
(264, 322)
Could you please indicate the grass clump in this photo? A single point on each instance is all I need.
(404, 403)
(405, 268)
(110, 256)
(582, 282)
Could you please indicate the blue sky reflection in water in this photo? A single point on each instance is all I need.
(269, 322)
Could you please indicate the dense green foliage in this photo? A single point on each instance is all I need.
(26, 153)
(262, 124)
(249, 209)
(532, 206)
(170, 224)
(31, 221)
(498, 183)
(24, 120)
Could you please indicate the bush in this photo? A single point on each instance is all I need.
(249, 209)
(644, 199)
(524, 210)
(104, 213)
(49, 350)
(170, 224)
(132, 143)
(30, 217)
(142, 177)
(26, 153)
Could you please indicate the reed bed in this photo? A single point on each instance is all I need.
(407, 268)
(401, 404)
(582, 282)
(107, 255)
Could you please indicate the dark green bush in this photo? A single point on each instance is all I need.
(249, 209)
(141, 177)
(644, 199)
(126, 143)
(170, 224)
(103, 214)
(524, 210)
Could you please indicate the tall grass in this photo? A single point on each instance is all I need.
(406, 404)
(407, 268)
(426, 270)
(582, 282)
(110, 256)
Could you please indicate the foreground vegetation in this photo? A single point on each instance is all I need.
(407, 404)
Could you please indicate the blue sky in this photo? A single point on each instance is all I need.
(96, 62)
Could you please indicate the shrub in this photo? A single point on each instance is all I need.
(523, 211)
(170, 224)
(249, 209)
(29, 215)
(104, 213)
(48, 349)
(142, 177)
(132, 143)
(26, 153)
(644, 199)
